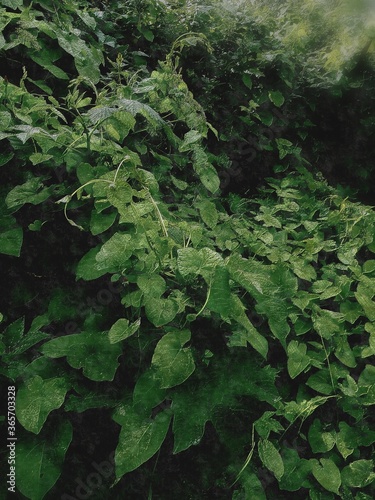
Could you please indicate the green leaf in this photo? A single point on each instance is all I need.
(87, 59)
(366, 385)
(285, 147)
(17, 341)
(326, 322)
(118, 125)
(88, 400)
(347, 251)
(42, 58)
(29, 192)
(252, 487)
(321, 382)
(267, 424)
(226, 378)
(11, 241)
(298, 360)
(303, 269)
(182, 185)
(203, 261)
(358, 474)
(276, 98)
(250, 334)
(90, 351)
(247, 81)
(327, 474)
(5, 121)
(271, 458)
(152, 285)
(369, 266)
(5, 158)
(100, 222)
(37, 158)
(13, 333)
(344, 353)
(364, 296)
(206, 172)
(220, 295)
(98, 114)
(147, 392)
(87, 268)
(140, 438)
(296, 472)
(120, 196)
(208, 212)
(347, 439)
(351, 311)
(115, 253)
(190, 138)
(173, 363)
(37, 398)
(121, 330)
(319, 440)
(146, 32)
(160, 311)
(39, 461)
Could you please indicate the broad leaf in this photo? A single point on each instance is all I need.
(121, 330)
(90, 351)
(220, 295)
(31, 191)
(327, 474)
(114, 254)
(271, 458)
(276, 98)
(39, 461)
(160, 311)
(298, 360)
(37, 398)
(296, 472)
(192, 261)
(217, 386)
(358, 474)
(87, 268)
(173, 362)
(140, 438)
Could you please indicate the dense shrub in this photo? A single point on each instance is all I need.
(188, 304)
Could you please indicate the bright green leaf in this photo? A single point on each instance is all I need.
(271, 458)
(358, 474)
(173, 362)
(327, 474)
(121, 330)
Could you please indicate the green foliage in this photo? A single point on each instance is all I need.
(235, 335)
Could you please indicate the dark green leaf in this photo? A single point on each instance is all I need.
(140, 438)
(37, 398)
(90, 351)
(39, 462)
